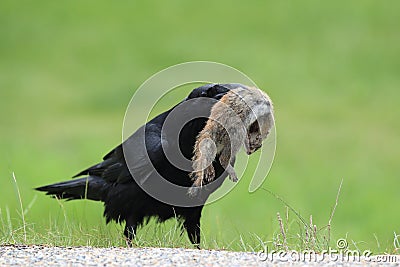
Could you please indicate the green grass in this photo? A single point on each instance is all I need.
(68, 70)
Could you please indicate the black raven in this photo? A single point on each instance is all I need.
(120, 180)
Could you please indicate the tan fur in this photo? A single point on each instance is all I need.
(228, 129)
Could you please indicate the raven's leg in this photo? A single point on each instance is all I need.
(192, 226)
(130, 231)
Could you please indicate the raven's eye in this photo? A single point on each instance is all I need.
(254, 127)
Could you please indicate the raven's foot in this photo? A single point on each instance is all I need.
(128, 242)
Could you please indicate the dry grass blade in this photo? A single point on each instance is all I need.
(21, 206)
(333, 212)
(284, 241)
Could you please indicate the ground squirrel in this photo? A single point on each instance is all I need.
(242, 117)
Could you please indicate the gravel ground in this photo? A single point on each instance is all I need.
(89, 256)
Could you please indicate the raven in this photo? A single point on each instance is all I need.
(124, 179)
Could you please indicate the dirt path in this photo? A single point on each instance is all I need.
(89, 256)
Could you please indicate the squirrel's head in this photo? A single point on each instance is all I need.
(259, 123)
(257, 132)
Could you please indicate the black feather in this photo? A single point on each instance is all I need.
(111, 182)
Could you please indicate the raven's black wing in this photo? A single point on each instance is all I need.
(145, 148)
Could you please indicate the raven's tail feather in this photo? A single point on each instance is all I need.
(90, 187)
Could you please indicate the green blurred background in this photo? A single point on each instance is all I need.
(69, 68)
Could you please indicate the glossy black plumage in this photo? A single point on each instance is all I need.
(111, 182)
